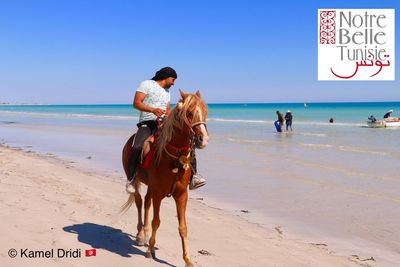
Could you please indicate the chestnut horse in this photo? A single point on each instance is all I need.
(169, 171)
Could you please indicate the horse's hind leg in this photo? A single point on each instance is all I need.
(181, 201)
(147, 204)
(140, 237)
(154, 226)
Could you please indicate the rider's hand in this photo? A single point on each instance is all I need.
(158, 112)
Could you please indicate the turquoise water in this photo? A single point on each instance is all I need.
(227, 124)
(315, 112)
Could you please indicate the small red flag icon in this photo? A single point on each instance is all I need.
(90, 252)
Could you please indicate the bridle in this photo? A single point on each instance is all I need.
(185, 151)
(197, 124)
(195, 139)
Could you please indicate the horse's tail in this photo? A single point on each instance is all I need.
(126, 153)
(125, 207)
(132, 197)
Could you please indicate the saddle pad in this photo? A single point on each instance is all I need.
(147, 151)
(147, 158)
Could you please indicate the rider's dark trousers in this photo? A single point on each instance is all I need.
(146, 128)
(194, 163)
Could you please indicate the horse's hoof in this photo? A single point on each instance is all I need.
(140, 241)
(150, 255)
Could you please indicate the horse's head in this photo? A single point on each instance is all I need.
(185, 126)
(193, 112)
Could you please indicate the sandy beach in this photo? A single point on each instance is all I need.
(50, 204)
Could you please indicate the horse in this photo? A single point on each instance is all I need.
(169, 171)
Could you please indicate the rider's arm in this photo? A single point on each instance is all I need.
(168, 108)
(138, 104)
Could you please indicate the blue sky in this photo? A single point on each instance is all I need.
(93, 51)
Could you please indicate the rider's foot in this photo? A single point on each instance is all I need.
(196, 182)
(130, 189)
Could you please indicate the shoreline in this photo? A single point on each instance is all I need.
(95, 200)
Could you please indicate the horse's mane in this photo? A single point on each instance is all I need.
(178, 119)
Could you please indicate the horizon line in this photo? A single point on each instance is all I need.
(212, 103)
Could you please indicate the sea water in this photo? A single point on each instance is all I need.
(337, 180)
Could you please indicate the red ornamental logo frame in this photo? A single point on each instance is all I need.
(327, 27)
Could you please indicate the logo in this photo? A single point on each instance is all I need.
(356, 44)
(90, 252)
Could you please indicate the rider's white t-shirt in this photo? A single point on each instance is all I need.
(156, 97)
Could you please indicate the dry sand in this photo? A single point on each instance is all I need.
(47, 203)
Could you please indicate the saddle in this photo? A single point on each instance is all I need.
(147, 152)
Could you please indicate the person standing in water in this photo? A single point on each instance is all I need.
(280, 120)
(288, 120)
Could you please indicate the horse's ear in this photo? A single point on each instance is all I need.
(198, 93)
(183, 95)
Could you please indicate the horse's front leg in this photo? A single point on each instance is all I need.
(181, 201)
(154, 225)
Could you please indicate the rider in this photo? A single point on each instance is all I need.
(152, 99)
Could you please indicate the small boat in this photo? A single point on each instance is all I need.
(385, 123)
